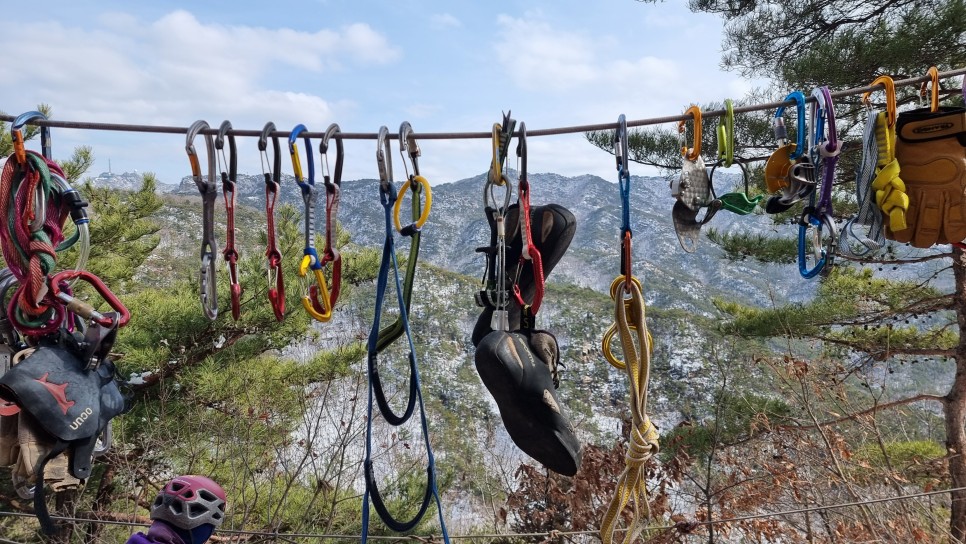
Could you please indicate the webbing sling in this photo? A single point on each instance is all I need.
(387, 197)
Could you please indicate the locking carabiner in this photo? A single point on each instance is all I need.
(409, 147)
(121, 315)
(779, 125)
(310, 256)
(694, 152)
(933, 92)
(890, 91)
(209, 192)
(228, 179)
(824, 149)
(273, 175)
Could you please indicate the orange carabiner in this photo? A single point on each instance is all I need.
(890, 91)
(933, 74)
(694, 152)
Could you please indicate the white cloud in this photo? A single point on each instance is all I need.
(539, 57)
(445, 20)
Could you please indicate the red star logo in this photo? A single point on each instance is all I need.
(58, 391)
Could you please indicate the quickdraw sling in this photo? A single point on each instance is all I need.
(208, 291)
(273, 175)
(389, 199)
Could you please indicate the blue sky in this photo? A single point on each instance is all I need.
(442, 66)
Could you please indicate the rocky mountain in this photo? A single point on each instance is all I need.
(127, 181)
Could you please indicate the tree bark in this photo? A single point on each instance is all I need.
(955, 416)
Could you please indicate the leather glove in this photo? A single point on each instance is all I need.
(34, 445)
(931, 153)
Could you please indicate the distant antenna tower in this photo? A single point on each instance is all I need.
(109, 171)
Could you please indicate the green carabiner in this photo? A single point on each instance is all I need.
(726, 135)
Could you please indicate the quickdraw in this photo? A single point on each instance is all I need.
(333, 189)
(636, 346)
(272, 170)
(824, 148)
(734, 202)
(388, 198)
(494, 292)
(529, 252)
(789, 169)
(417, 184)
(228, 179)
(209, 192)
(310, 256)
(692, 190)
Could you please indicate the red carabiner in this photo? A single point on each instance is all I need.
(530, 251)
(84, 309)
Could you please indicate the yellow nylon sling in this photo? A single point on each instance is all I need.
(637, 347)
(890, 190)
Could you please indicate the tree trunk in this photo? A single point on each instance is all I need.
(955, 416)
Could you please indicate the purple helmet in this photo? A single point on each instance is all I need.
(190, 501)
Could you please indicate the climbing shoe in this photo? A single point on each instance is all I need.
(552, 227)
(520, 371)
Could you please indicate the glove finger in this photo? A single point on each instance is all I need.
(929, 218)
(9, 445)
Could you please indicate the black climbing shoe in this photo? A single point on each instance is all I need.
(520, 371)
(552, 228)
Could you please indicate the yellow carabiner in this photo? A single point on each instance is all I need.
(496, 171)
(616, 291)
(933, 74)
(890, 91)
(694, 152)
(311, 299)
(410, 183)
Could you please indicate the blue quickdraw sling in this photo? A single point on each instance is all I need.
(387, 197)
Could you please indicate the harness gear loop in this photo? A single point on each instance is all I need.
(209, 244)
(229, 174)
(529, 251)
(933, 91)
(273, 175)
(694, 152)
(631, 325)
(824, 149)
(310, 256)
(378, 340)
(416, 184)
(333, 192)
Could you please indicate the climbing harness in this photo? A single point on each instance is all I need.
(387, 197)
(529, 254)
(310, 256)
(272, 170)
(824, 149)
(209, 193)
(494, 293)
(636, 345)
(417, 184)
(333, 188)
(876, 179)
(734, 202)
(229, 174)
(789, 169)
(692, 189)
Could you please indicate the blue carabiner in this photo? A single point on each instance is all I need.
(779, 123)
(823, 253)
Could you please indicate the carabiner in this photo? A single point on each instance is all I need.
(273, 175)
(726, 135)
(621, 152)
(228, 191)
(890, 92)
(779, 125)
(501, 135)
(408, 146)
(823, 253)
(384, 160)
(621, 287)
(319, 310)
(121, 314)
(78, 214)
(693, 153)
(529, 251)
(333, 190)
(17, 137)
(209, 244)
(933, 93)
